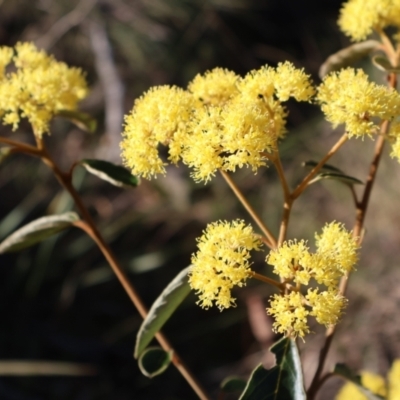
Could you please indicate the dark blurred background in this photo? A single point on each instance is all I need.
(60, 300)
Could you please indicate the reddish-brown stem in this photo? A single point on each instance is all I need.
(265, 279)
(357, 230)
(88, 226)
(250, 210)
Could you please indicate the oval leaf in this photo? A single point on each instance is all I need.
(82, 120)
(233, 384)
(168, 301)
(345, 372)
(154, 361)
(348, 56)
(37, 230)
(114, 174)
(284, 381)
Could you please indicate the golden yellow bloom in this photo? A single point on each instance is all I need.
(375, 383)
(158, 117)
(289, 313)
(290, 261)
(338, 247)
(358, 18)
(39, 88)
(347, 97)
(292, 82)
(222, 262)
(215, 87)
(327, 306)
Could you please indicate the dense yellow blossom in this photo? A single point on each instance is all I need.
(291, 261)
(6, 54)
(358, 18)
(39, 87)
(215, 87)
(334, 257)
(347, 97)
(290, 314)
(221, 122)
(160, 116)
(222, 261)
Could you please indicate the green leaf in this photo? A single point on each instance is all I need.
(345, 372)
(168, 301)
(82, 120)
(114, 174)
(348, 180)
(37, 230)
(383, 64)
(154, 361)
(348, 56)
(326, 167)
(233, 384)
(284, 381)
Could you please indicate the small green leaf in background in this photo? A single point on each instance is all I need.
(233, 384)
(154, 361)
(284, 381)
(114, 174)
(383, 64)
(82, 120)
(348, 56)
(330, 172)
(345, 372)
(164, 306)
(37, 230)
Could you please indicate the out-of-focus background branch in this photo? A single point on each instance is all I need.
(60, 301)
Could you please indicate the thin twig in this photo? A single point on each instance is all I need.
(249, 209)
(265, 279)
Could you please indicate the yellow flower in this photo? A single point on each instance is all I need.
(158, 117)
(215, 87)
(39, 88)
(358, 18)
(347, 97)
(222, 262)
(338, 247)
(290, 261)
(327, 306)
(289, 313)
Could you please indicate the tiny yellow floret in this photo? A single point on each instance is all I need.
(222, 261)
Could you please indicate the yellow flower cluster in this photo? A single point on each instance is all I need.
(347, 97)
(376, 384)
(222, 262)
(37, 88)
(335, 257)
(222, 121)
(359, 18)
